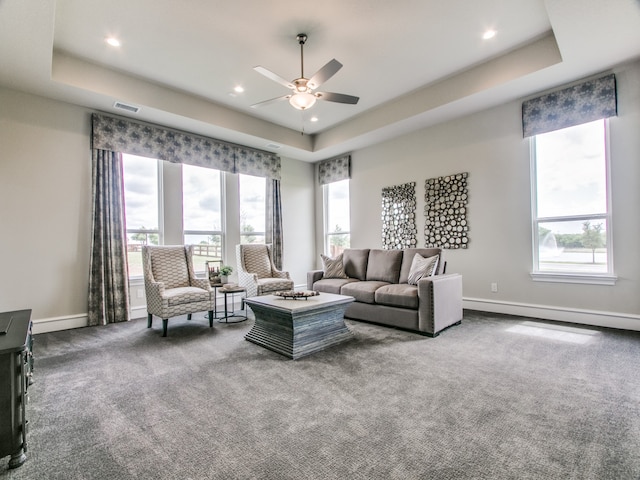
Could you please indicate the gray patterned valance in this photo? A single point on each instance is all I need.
(334, 170)
(570, 106)
(257, 163)
(118, 134)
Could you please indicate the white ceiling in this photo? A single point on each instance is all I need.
(412, 62)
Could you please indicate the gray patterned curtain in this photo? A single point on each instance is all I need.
(108, 289)
(334, 170)
(273, 235)
(587, 102)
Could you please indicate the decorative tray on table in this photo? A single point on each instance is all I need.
(297, 295)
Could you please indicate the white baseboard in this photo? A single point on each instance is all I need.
(138, 312)
(624, 321)
(53, 324)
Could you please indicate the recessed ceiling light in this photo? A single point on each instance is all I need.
(489, 34)
(114, 42)
(238, 89)
(314, 119)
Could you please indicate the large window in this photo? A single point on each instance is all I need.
(142, 188)
(252, 208)
(202, 213)
(336, 217)
(202, 219)
(571, 212)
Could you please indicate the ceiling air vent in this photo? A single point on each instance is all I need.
(127, 107)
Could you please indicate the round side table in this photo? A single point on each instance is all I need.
(231, 314)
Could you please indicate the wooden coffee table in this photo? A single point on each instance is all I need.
(295, 328)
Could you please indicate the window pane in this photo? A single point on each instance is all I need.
(573, 246)
(252, 208)
(251, 238)
(141, 192)
(337, 243)
(571, 171)
(140, 178)
(205, 248)
(338, 207)
(201, 206)
(337, 220)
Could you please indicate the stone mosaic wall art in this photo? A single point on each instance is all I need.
(445, 211)
(399, 217)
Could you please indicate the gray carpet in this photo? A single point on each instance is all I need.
(493, 398)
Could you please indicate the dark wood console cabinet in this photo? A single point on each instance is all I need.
(16, 365)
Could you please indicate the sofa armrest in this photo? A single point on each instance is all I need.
(440, 304)
(312, 277)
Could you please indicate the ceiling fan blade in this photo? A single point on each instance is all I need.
(273, 76)
(337, 97)
(269, 102)
(324, 74)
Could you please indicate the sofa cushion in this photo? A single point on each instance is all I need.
(384, 265)
(422, 267)
(333, 267)
(331, 285)
(182, 295)
(364, 292)
(355, 262)
(407, 260)
(398, 295)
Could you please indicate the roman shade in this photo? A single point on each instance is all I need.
(582, 103)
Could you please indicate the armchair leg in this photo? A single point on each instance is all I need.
(165, 323)
(149, 320)
(188, 316)
(210, 318)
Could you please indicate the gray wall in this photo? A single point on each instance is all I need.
(45, 189)
(45, 209)
(45, 213)
(489, 145)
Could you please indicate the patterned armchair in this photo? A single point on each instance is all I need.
(171, 286)
(256, 271)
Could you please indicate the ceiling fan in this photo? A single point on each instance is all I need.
(303, 95)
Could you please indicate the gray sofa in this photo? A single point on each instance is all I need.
(377, 279)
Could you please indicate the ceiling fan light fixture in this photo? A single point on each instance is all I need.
(302, 100)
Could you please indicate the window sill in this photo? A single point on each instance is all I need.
(588, 279)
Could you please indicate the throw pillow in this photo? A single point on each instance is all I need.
(422, 267)
(333, 267)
